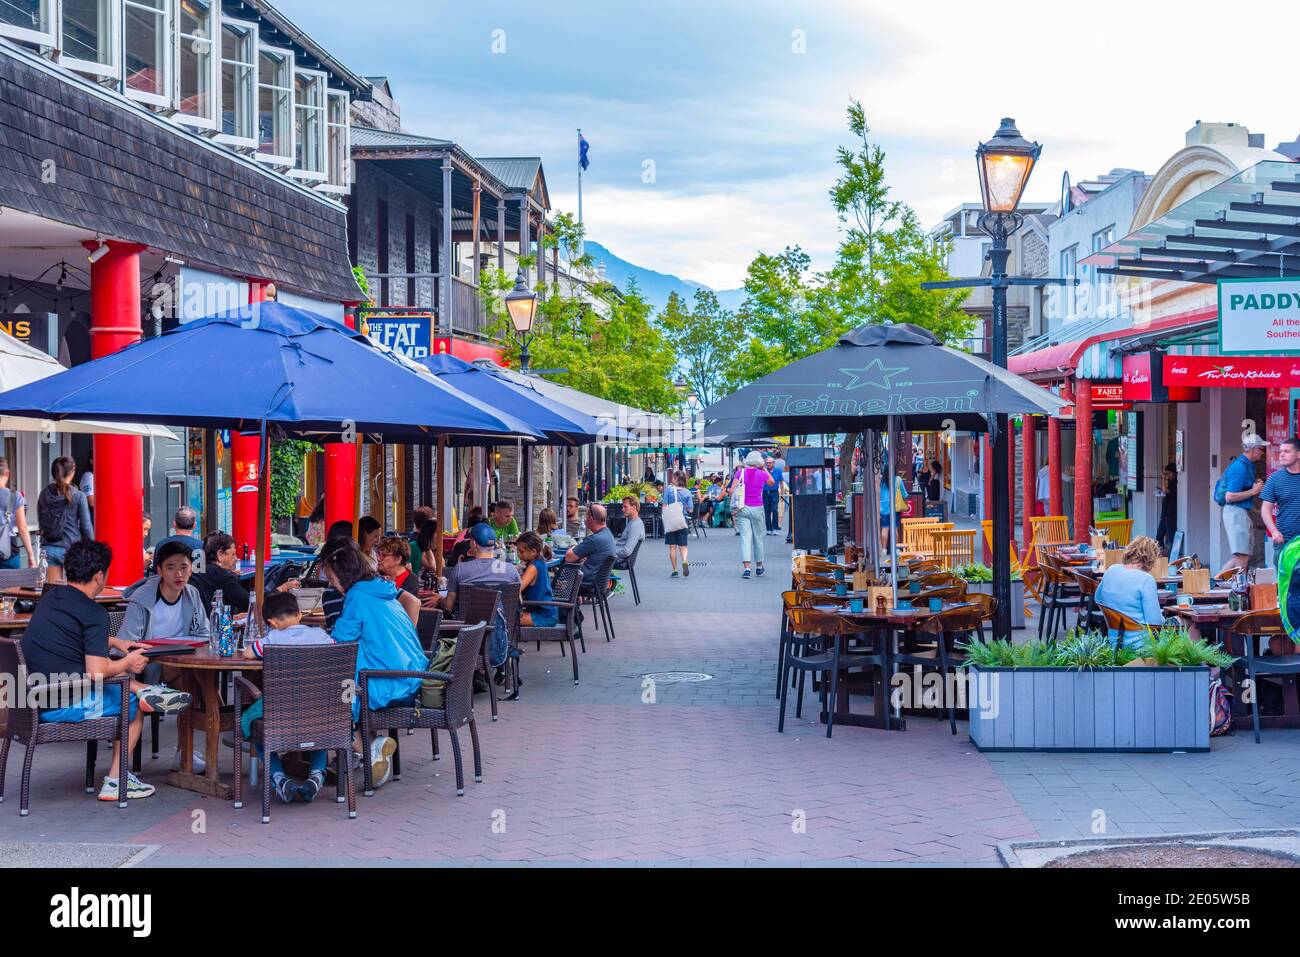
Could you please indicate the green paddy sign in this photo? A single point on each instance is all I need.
(1259, 316)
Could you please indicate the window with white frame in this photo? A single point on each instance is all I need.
(338, 149)
(1069, 269)
(309, 124)
(238, 83)
(197, 26)
(88, 36)
(146, 41)
(31, 21)
(275, 106)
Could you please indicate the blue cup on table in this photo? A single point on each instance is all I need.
(855, 604)
(913, 588)
(936, 605)
(903, 605)
(841, 590)
(839, 574)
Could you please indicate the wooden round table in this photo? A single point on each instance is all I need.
(109, 596)
(202, 673)
(15, 622)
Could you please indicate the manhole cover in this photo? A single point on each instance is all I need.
(670, 677)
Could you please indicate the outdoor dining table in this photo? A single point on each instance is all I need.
(109, 596)
(203, 671)
(891, 622)
(17, 621)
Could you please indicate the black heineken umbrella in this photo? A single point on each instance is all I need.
(875, 377)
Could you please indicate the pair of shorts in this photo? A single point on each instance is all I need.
(54, 555)
(97, 704)
(545, 617)
(1240, 530)
(884, 521)
(679, 537)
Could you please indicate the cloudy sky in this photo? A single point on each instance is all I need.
(713, 123)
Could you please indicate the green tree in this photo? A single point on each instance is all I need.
(704, 341)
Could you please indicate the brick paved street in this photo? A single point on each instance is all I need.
(592, 774)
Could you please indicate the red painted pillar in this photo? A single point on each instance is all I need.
(119, 459)
(1029, 459)
(1011, 480)
(986, 469)
(245, 447)
(1082, 459)
(341, 471)
(1054, 504)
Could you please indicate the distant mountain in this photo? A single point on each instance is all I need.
(656, 286)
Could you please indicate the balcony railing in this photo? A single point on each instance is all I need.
(423, 291)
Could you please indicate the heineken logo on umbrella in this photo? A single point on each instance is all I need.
(874, 373)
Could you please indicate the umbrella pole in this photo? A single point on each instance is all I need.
(442, 497)
(872, 498)
(263, 500)
(888, 471)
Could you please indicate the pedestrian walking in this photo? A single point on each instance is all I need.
(1168, 510)
(676, 493)
(1235, 493)
(1043, 490)
(746, 489)
(1281, 496)
(771, 499)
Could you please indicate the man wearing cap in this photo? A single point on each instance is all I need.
(1241, 487)
(481, 567)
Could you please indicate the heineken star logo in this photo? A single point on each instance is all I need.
(874, 373)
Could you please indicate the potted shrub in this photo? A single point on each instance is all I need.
(979, 578)
(1085, 694)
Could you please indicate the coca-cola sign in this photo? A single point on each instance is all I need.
(1144, 381)
(1233, 372)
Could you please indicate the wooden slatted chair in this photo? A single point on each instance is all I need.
(1030, 575)
(1117, 530)
(954, 547)
(1047, 530)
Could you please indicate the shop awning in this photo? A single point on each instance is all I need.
(1092, 351)
(1246, 227)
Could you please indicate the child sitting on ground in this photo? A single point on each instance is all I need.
(284, 623)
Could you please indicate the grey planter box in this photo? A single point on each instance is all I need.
(1017, 599)
(1109, 709)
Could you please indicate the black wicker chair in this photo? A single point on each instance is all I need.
(24, 724)
(305, 708)
(477, 604)
(629, 565)
(564, 588)
(20, 577)
(426, 628)
(596, 594)
(457, 709)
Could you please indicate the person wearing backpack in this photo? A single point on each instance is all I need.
(63, 515)
(13, 523)
(1235, 492)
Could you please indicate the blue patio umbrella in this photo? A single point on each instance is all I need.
(265, 362)
(559, 423)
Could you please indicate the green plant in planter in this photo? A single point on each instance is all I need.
(1172, 646)
(1084, 649)
(977, 573)
(1087, 649)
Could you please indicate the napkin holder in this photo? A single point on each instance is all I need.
(1112, 556)
(875, 593)
(1160, 569)
(862, 581)
(1098, 542)
(1263, 596)
(1196, 581)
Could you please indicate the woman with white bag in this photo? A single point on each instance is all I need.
(746, 488)
(676, 503)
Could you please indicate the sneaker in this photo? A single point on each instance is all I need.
(381, 767)
(285, 788)
(686, 569)
(674, 574)
(135, 788)
(159, 699)
(199, 764)
(745, 573)
(759, 571)
(311, 787)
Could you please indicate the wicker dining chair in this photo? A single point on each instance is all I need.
(456, 712)
(20, 577)
(481, 604)
(564, 589)
(629, 565)
(303, 709)
(24, 724)
(596, 595)
(426, 628)
(1250, 627)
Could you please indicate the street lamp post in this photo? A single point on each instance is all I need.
(521, 304)
(1005, 163)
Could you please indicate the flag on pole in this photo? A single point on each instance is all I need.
(582, 151)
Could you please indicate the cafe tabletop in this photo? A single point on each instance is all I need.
(1214, 595)
(897, 617)
(109, 596)
(201, 659)
(14, 622)
(1207, 614)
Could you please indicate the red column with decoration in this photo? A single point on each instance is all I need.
(245, 448)
(1082, 459)
(1054, 503)
(1030, 459)
(119, 459)
(341, 470)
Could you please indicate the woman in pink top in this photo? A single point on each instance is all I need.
(746, 487)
